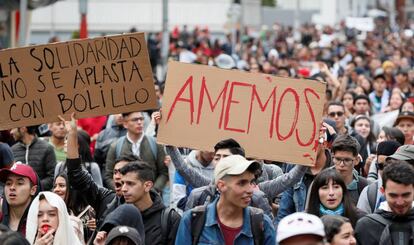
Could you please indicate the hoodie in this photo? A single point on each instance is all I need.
(152, 222)
(181, 188)
(65, 233)
(377, 234)
(125, 215)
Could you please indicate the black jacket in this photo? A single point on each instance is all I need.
(41, 157)
(101, 199)
(369, 231)
(152, 222)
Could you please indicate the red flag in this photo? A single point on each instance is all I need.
(83, 33)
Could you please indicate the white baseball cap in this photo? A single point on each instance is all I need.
(299, 224)
(233, 165)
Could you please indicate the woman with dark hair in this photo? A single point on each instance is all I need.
(87, 162)
(388, 133)
(76, 204)
(329, 196)
(338, 230)
(348, 101)
(362, 126)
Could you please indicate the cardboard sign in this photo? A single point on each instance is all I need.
(90, 77)
(273, 118)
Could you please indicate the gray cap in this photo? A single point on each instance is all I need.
(405, 153)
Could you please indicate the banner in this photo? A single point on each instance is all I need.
(273, 118)
(90, 77)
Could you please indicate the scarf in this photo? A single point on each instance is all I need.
(338, 211)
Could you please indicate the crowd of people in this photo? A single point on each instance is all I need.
(106, 180)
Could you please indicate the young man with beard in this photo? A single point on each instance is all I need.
(228, 218)
(57, 140)
(137, 183)
(394, 217)
(21, 186)
(35, 152)
(142, 146)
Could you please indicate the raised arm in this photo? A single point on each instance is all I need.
(187, 172)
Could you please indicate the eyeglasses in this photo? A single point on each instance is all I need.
(337, 113)
(346, 161)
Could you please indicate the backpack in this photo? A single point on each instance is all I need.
(394, 233)
(198, 218)
(372, 195)
(151, 140)
(166, 222)
(362, 182)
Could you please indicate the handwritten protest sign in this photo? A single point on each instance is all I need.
(273, 118)
(90, 77)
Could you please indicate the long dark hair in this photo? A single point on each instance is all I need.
(74, 200)
(322, 179)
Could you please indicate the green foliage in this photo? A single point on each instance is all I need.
(270, 3)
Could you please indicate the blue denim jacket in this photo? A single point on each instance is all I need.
(293, 200)
(211, 233)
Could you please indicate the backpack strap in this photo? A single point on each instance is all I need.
(166, 214)
(372, 195)
(379, 219)
(153, 145)
(362, 182)
(257, 225)
(204, 198)
(198, 218)
(118, 147)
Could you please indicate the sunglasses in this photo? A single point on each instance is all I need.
(338, 113)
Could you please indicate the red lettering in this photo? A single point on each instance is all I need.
(312, 117)
(263, 107)
(203, 90)
(231, 101)
(295, 118)
(189, 83)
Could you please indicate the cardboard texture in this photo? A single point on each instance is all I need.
(273, 118)
(90, 77)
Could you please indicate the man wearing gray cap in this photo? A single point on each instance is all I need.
(228, 219)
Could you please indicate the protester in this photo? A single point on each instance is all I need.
(143, 146)
(138, 181)
(300, 229)
(126, 215)
(371, 196)
(395, 216)
(228, 219)
(200, 161)
(48, 221)
(58, 140)
(87, 162)
(124, 235)
(106, 137)
(336, 112)
(294, 199)
(329, 196)
(405, 123)
(35, 152)
(76, 204)
(117, 177)
(380, 96)
(21, 186)
(338, 230)
(206, 194)
(345, 157)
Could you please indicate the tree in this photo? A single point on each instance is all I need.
(270, 3)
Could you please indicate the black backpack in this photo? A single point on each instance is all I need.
(198, 218)
(394, 233)
(167, 216)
